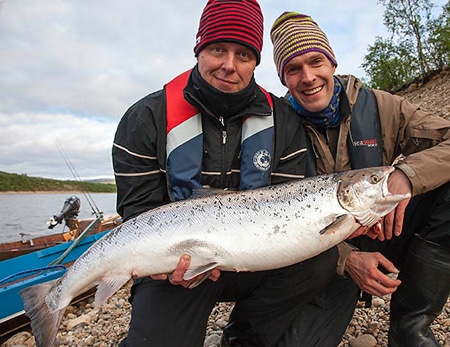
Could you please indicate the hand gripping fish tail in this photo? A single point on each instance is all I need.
(252, 230)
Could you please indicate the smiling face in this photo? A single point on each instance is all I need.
(227, 66)
(310, 80)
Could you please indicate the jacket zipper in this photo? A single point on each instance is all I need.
(224, 132)
(224, 148)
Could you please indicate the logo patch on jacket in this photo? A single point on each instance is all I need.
(366, 143)
(262, 160)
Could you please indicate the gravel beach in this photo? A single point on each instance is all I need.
(105, 326)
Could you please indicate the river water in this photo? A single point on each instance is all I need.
(29, 213)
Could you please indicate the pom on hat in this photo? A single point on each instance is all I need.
(239, 21)
(294, 34)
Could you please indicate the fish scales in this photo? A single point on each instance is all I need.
(251, 230)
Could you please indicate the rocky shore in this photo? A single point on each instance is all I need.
(107, 325)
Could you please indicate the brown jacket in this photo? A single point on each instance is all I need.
(423, 138)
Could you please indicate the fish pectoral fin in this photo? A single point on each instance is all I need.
(194, 272)
(342, 221)
(200, 280)
(107, 287)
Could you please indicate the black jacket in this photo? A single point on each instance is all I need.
(139, 150)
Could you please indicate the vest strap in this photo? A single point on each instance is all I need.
(364, 140)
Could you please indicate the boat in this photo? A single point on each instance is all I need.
(34, 260)
(35, 267)
(72, 229)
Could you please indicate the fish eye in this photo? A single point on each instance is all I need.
(374, 179)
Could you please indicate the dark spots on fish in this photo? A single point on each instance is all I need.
(255, 208)
(116, 230)
(277, 229)
(218, 202)
(150, 221)
(189, 220)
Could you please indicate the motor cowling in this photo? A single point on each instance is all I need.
(68, 213)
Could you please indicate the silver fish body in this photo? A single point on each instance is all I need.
(251, 230)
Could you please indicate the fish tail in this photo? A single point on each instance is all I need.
(44, 322)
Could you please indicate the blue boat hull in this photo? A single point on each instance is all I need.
(33, 268)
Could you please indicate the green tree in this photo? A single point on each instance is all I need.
(388, 65)
(417, 44)
(409, 19)
(439, 39)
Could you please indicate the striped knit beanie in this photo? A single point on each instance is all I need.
(294, 34)
(239, 21)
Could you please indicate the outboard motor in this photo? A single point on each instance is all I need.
(69, 213)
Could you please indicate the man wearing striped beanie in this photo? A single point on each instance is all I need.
(352, 127)
(294, 34)
(213, 126)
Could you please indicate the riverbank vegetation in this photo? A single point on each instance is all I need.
(417, 48)
(24, 183)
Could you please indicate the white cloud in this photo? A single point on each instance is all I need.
(31, 143)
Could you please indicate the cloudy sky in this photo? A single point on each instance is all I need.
(69, 69)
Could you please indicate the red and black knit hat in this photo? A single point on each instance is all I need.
(239, 21)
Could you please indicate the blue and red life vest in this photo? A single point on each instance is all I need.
(185, 144)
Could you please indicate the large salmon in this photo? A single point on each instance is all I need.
(251, 230)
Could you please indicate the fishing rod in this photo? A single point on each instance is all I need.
(77, 177)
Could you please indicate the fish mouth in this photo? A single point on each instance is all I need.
(387, 196)
(388, 201)
(385, 193)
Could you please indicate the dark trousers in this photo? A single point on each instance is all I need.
(323, 322)
(266, 303)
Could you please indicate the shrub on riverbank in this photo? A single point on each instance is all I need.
(20, 183)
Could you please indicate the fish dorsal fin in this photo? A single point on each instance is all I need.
(107, 287)
(343, 221)
(205, 192)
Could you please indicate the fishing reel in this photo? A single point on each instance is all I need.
(69, 213)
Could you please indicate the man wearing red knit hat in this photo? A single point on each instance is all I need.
(190, 135)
